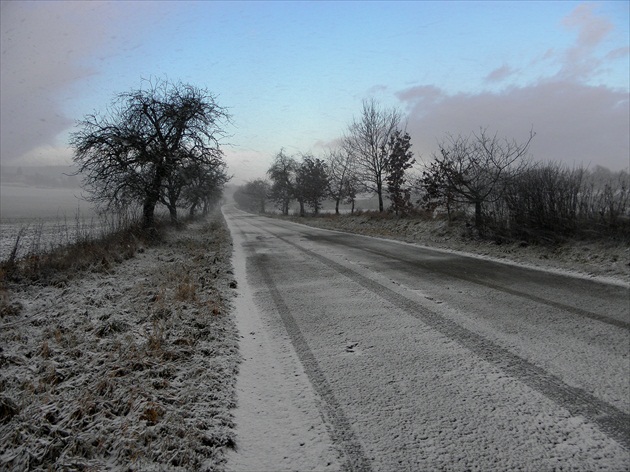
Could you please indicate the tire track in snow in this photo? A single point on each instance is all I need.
(610, 419)
(571, 309)
(341, 431)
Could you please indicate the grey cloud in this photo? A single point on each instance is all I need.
(500, 74)
(37, 64)
(45, 49)
(580, 61)
(576, 124)
(591, 28)
(618, 53)
(421, 94)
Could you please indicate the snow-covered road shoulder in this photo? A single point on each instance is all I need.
(278, 424)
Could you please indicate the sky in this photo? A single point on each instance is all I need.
(294, 74)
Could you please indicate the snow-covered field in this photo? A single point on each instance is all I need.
(44, 218)
(37, 235)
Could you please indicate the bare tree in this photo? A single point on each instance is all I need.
(365, 140)
(135, 151)
(282, 175)
(203, 186)
(471, 169)
(340, 175)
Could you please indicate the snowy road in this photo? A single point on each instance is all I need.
(417, 359)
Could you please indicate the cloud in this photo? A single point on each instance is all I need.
(37, 64)
(47, 48)
(618, 53)
(591, 29)
(574, 123)
(581, 61)
(500, 74)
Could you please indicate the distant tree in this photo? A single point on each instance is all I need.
(435, 189)
(253, 195)
(340, 176)
(364, 141)
(350, 191)
(399, 158)
(136, 150)
(471, 169)
(203, 187)
(311, 183)
(282, 175)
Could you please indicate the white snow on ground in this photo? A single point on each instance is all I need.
(278, 426)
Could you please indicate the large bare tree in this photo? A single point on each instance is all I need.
(365, 140)
(136, 150)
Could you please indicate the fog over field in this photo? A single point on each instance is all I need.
(48, 192)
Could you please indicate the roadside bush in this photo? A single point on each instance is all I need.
(548, 203)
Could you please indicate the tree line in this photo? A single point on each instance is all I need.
(161, 145)
(373, 157)
(491, 179)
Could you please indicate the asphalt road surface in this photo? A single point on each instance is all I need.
(429, 360)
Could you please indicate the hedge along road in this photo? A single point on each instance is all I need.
(429, 360)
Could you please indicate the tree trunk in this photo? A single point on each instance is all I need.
(148, 210)
(379, 191)
(302, 212)
(448, 208)
(337, 206)
(478, 218)
(172, 210)
(151, 199)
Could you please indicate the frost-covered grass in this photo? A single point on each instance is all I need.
(130, 364)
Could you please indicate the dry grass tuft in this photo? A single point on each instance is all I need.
(8, 409)
(152, 413)
(186, 291)
(45, 351)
